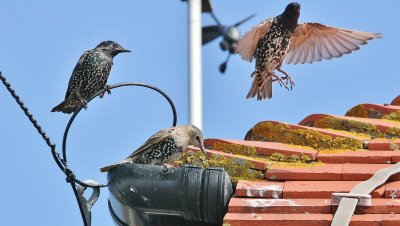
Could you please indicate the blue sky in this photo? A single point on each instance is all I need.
(42, 40)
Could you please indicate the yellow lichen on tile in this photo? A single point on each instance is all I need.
(393, 133)
(358, 111)
(236, 149)
(300, 146)
(392, 116)
(236, 168)
(250, 153)
(337, 151)
(357, 127)
(283, 165)
(283, 134)
(358, 135)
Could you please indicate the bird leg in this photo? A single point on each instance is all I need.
(287, 78)
(84, 103)
(279, 79)
(82, 100)
(167, 167)
(107, 88)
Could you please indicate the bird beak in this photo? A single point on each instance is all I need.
(201, 145)
(122, 50)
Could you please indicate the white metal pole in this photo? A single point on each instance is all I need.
(195, 78)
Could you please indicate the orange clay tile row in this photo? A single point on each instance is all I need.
(381, 152)
(309, 189)
(298, 206)
(396, 101)
(381, 125)
(266, 189)
(268, 148)
(258, 165)
(384, 144)
(253, 219)
(381, 108)
(362, 156)
(328, 172)
(329, 132)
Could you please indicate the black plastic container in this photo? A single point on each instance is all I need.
(151, 195)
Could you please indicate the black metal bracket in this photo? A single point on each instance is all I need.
(62, 161)
(64, 144)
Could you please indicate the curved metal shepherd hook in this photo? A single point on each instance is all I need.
(84, 204)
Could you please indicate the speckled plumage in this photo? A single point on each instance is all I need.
(271, 51)
(89, 75)
(164, 147)
(282, 38)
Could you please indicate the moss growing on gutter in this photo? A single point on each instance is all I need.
(266, 131)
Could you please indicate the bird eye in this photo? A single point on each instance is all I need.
(198, 138)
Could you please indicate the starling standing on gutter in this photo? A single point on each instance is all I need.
(164, 147)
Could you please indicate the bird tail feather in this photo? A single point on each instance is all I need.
(64, 107)
(112, 166)
(261, 86)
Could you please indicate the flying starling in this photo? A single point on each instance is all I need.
(89, 76)
(164, 147)
(281, 37)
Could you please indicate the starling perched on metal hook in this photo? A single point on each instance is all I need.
(164, 147)
(281, 37)
(89, 76)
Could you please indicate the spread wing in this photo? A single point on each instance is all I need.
(314, 42)
(74, 80)
(247, 45)
(156, 138)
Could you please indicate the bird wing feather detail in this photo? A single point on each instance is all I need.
(247, 45)
(78, 66)
(314, 42)
(156, 138)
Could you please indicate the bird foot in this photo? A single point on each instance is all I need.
(107, 88)
(289, 80)
(84, 103)
(167, 167)
(280, 81)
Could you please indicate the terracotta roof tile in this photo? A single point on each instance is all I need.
(324, 172)
(322, 189)
(298, 191)
(363, 172)
(265, 189)
(253, 219)
(390, 219)
(396, 101)
(366, 157)
(392, 190)
(381, 125)
(269, 148)
(372, 110)
(384, 144)
(255, 205)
